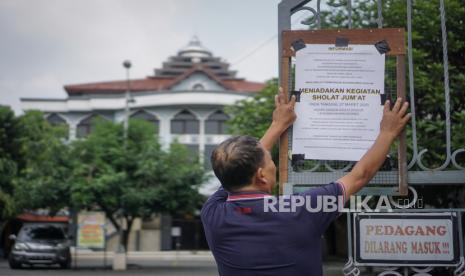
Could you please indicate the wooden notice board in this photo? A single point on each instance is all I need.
(395, 39)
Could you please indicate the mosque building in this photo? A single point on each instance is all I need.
(184, 100)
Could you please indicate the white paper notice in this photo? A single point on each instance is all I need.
(340, 107)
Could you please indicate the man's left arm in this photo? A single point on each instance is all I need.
(283, 117)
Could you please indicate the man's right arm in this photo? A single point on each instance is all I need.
(391, 125)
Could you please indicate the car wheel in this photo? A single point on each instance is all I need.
(13, 264)
(66, 264)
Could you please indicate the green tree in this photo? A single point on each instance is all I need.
(252, 117)
(428, 76)
(43, 180)
(428, 64)
(135, 178)
(10, 160)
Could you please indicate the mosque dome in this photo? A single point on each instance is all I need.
(194, 55)
(194, 49)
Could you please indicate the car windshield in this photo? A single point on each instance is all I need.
(42, 232)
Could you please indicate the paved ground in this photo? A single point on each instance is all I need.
(146, 264)
(152, 263)
(159, 270)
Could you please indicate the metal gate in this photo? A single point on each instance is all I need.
(450, 172)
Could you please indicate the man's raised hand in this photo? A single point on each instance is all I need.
(283, 117)
(395, 119)
(283, 114)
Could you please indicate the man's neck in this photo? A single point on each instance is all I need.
(252, 188)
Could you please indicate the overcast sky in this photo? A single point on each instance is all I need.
(45, 44)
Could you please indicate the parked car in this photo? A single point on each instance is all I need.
(40, 243)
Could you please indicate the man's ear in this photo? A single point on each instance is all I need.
(260, 177)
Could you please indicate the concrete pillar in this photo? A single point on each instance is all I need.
(202, 139)
(165, 130)
(72, 131)
(119, 261)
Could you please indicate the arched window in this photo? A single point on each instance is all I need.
(198, 86)
(56, 120)
(144, 115)
(216, 123)
(86, 126)
(184, 123)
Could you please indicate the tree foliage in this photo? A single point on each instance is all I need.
(252, 116)
(428, 71)
(428, 64)
(10, 159)
(34, 165)
(125, 178)
(133, 178)
(43, 180)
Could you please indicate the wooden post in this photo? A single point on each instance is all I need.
(284, 140)
(402, 149)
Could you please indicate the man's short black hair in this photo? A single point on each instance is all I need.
(236, 160)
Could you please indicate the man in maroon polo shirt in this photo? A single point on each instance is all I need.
(246, 239)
